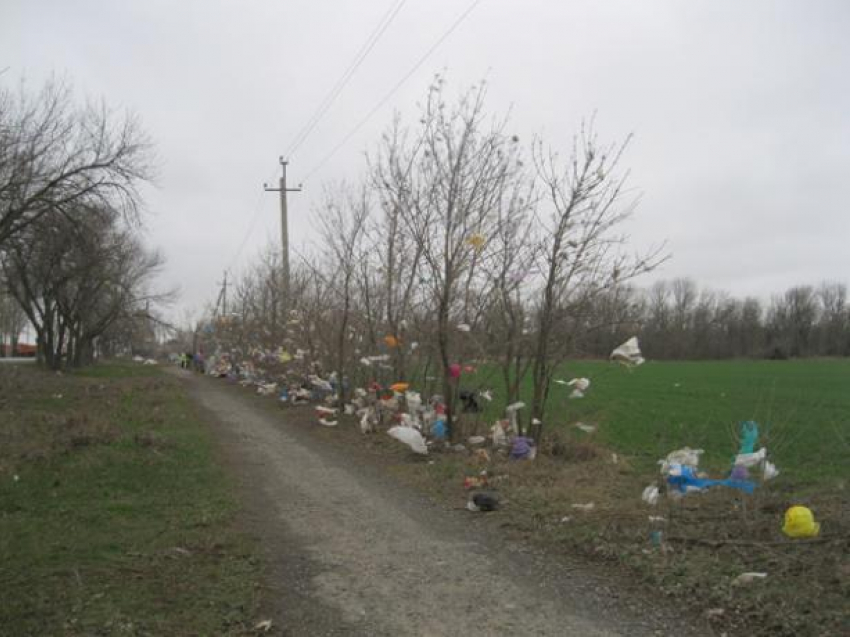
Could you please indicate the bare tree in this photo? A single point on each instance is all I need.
(581, 254)
(343, 220)
(76, 276)
(446, 181)
(56, 156)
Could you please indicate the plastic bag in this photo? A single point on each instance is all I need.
(628, 353)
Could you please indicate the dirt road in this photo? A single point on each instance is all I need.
(351, 552)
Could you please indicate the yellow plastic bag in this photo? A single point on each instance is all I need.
(800, 522)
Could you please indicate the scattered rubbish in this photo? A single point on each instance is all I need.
(321, 410)
(650, 495)
(748, 578)
(475, 482)
(483, 502)
(367, 421)
(684, 456)
(16, 478)
(739, 472)
(565, 519)
(391, 340)
(579, 385)
(438, 429)
(265, 625)
(328, 423)
(469, 402)
(523, 448)
(481, 456)
(714, 613)
(656, 537)
(476, 440)
(463, 327)
(589, 506)
(454, 370)
(458, 448)
(411, 437)
(486, 395)
(769, 472)
(400, 388)
(657, 519)
(498, 433)
(749, 436)
(512, 410)
(615, 459)
(800, 522)
(683, 479)
(588, 429)
(628, 353)
(750, 459)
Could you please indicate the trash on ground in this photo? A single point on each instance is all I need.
(684, 456)
(650, 495)
(588, 429)
(751, 459)
(683, 479)
(475, 482)
(800, 522)
(589, 506)
(748, 578)
(481, 456)
(483, 502)
(769, 472)
(411, 437)
(749, 436)
(523, 448)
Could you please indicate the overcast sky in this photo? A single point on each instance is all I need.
(740, 110)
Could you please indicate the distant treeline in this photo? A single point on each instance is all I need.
(679, 320)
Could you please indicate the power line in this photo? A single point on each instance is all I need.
(323, 107)
(343, 80)
(392, 91)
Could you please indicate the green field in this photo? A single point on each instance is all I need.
(115, 515)
(802, 407)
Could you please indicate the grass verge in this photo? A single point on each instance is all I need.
(115, 517)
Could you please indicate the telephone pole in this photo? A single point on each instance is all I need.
(284, 226)
(224, 295)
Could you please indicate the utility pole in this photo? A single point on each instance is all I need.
(224, 295)
(284, 226)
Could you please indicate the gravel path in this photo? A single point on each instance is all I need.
(350, 552)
